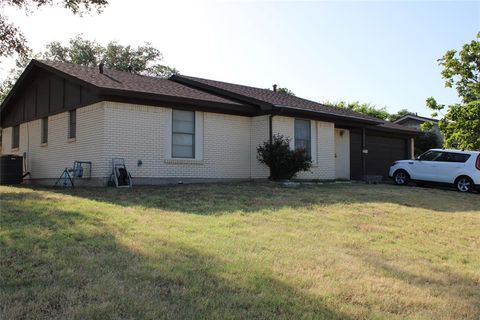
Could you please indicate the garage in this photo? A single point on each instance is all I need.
(375, 156)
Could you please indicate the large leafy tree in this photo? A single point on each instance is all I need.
(401, 113)
(144, 59)
(365, 108)
(12, 41)
(461, 121)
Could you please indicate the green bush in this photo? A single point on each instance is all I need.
(425, 141)
(283, 162)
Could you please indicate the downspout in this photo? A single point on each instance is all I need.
(270, 127)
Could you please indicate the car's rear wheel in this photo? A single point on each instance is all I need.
(401, 177)
(464, 184)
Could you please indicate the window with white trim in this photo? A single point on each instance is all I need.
(303, 139)
(72, 124)
(183, 134)
(44, 138)
(15, 137)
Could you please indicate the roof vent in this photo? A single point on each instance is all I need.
(274, 88)
(100, 67)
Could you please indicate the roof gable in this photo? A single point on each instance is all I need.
(414, 117)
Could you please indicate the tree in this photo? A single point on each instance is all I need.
(460, 124)
(364, 108)
(401, 113)
(11, 38)
(283, 162)
(143, 60)
(285, 91)
(425, 141)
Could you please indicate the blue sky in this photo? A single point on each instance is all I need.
(379, 52)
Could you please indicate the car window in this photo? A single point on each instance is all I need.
(456, 157)
(430, 156)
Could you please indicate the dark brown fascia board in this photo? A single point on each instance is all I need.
(221, 92)
(343, 122)
(35, 63)
(185, 104)
(18, 84)
(49, 114)
(66, 75)
(325, 116)
(412, 133)
(159, 98)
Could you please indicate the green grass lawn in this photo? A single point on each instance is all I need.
(244, 251)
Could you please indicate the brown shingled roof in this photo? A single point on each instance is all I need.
(390, 126)
(126, 81)
(198, 91)
(275, 99)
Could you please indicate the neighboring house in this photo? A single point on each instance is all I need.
(415, 122)
(181, 129)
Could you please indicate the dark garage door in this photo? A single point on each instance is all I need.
(383, 150)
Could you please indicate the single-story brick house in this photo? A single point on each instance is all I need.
(415, 122)
(181, 129)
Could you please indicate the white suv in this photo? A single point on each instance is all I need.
(452, 167)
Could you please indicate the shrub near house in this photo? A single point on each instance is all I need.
(283, 162)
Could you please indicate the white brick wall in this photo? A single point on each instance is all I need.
(259, 133)
(142, 133)
(48, 161)
(323, 150)
(226, 144)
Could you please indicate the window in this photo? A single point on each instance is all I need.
(72, 124)
(453, 157)
(183, 134)
(302, 135)
(430, 156)
(16, 137)
(44, 130)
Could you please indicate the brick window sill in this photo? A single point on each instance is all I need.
(184, 161)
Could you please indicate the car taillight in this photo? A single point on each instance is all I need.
(477, 164)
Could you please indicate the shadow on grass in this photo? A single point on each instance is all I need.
(215, 199)
(65, 264)
(460, 289)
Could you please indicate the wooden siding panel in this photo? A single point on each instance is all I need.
(43, 97)
(72, 95)
(30, 103)
(56, 94)
(87, 96)
(18, 110)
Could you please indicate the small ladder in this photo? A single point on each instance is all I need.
(66, 178)
(121, 177)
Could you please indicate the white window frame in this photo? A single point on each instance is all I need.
(313, 139)
(44, 131)
(199, 120)
(70, 137)
(184, 133)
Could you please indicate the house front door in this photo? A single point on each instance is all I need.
(342, 154)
